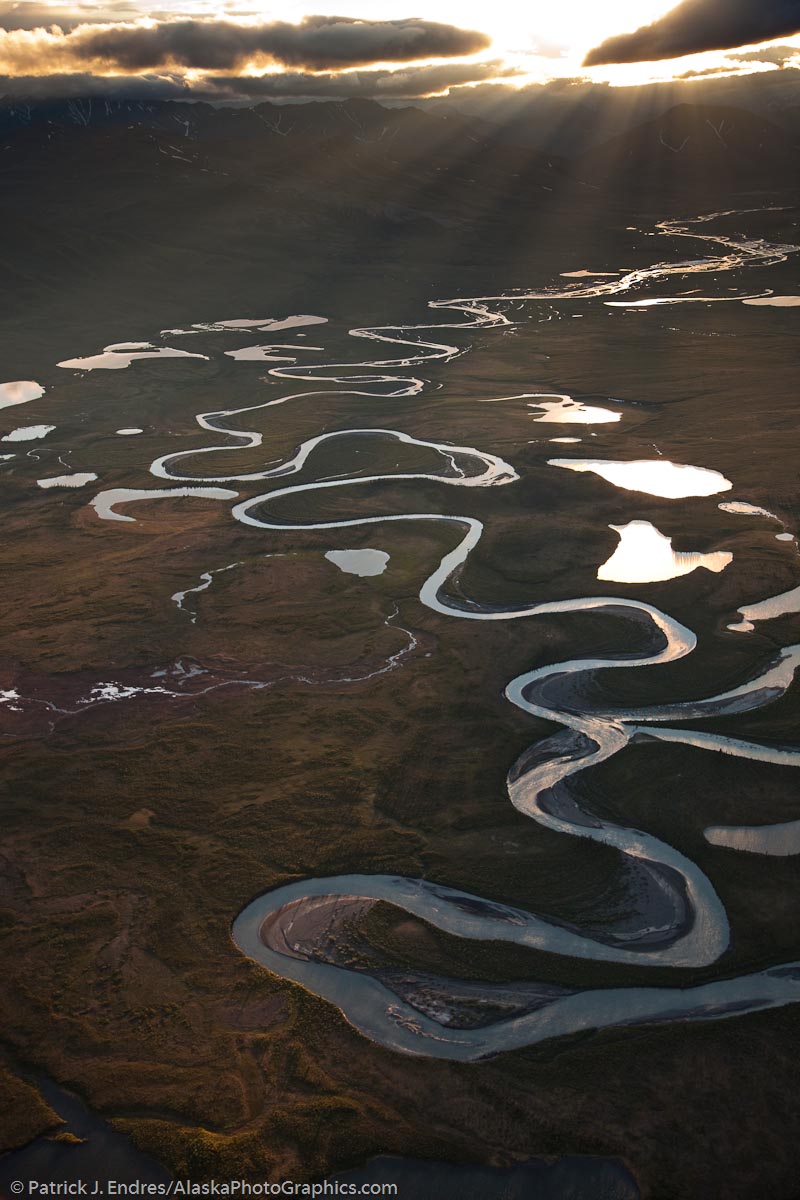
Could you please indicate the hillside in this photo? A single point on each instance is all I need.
(190, 199)
(152, 194)
(708, 148)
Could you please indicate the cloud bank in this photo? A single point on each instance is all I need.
(379, 84)
(778, 56)
(698, 25)
(317, 43)
(32, 14)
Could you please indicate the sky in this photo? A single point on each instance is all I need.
(240, 48)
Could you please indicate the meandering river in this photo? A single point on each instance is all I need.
(681, 922)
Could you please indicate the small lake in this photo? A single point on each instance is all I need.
(359, 562)
(19, 392)
(645, 555)
(654, 476)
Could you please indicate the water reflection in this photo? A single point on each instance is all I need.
(259, 354)
(20, 391)
(742, 508)
(656, 477)
(79, 479)
(262, 324)
(359, 562)
(104, 503)
(121, 354)
(645, 555)
(775, 301)
(557, 407)
(656, 300)
(567, 411)
(774, 606)
(28, 433)
(779, 841)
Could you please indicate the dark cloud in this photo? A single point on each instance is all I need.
(33, 88)
(30, 14)
(697, 25)
(317, 43)
(777, 55)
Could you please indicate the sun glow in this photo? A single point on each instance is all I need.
(534, 44)
(543, 39)
(540, 41)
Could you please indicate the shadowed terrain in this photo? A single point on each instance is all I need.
(167, 762)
